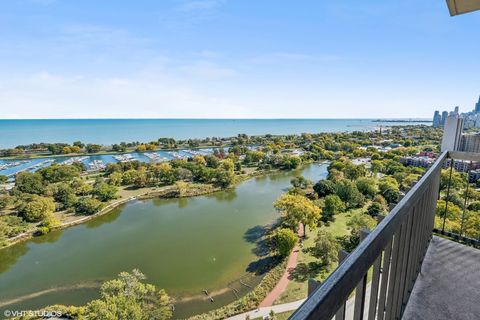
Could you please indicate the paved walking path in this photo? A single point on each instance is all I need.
(265, 311)
(285, 279)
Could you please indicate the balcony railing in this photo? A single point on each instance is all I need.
(391, 256)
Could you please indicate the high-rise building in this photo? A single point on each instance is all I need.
(452, 133)
(437, 119)
(470, 143)
(456, 110)
(477, 106)
(444, 117)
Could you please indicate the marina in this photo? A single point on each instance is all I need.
(11, 164)
(96, 165)
(124, 157)
(155, 157)
(97, 162)
(74, 160)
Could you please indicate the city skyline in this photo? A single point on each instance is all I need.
(226, 59)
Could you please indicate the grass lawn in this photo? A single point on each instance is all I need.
(297, 287)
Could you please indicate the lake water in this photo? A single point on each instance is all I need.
(182, 245)
(109, 131)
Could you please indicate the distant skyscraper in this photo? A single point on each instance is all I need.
(444, 117)
(437, 119)
(470, 143)
(452, 133)
(477, 106)
(456, 110)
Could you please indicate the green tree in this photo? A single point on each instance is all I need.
(225, 173)
(88, 206)
(326, 248)
(29, 182)
(81, 187)
(115, 178)
(105, 192)
(164, 174)
(301, 182)
(37, 208)
(65, 195)
(284, 241)
(456, 182)
(367, 186)
(324, 187)
(5, 201)
(389, 189)
(212, 161)
(129, 177)
(3, 179)
(93, 148)
(297, 209)
(128, 298)
(353, 172)
(376, 166)
(78, 144)
(59, 173)
(333, 205)
(356, 223)
(375, 209)
(348, 192)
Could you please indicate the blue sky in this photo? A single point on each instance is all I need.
(235, 58)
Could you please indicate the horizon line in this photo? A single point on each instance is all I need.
(102, 118)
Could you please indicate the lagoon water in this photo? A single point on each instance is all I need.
(109, 131)
(182, 245)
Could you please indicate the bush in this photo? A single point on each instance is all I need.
(333, 205)
(326, 248)
(375, 209)
(11, 226)
(37, 209)
(105, 192)
(284, 241)
(324, 187)
(88, 206)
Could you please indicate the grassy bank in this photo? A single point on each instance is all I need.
(127, 194)
(298, 286)
(251, 300)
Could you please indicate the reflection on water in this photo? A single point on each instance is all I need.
(106, 218)
(182, 245)
(50, 237)
(227, 195)
(10, 255)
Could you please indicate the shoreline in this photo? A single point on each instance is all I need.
(159, 193)
(105, 153)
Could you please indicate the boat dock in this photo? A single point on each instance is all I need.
(96, 165)
(124, 157)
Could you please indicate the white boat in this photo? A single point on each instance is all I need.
(12, 164)
(96, 165)
(124, 158)
(74, 160)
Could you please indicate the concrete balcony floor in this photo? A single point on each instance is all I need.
(448, 288)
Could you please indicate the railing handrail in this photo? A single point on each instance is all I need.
(468, 156)
(330, 296)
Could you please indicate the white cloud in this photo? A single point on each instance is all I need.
(209, 70)
(45, 95)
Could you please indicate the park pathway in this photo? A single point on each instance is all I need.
(285, 279)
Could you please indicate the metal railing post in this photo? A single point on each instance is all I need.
(448, 194)
(466, 198)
